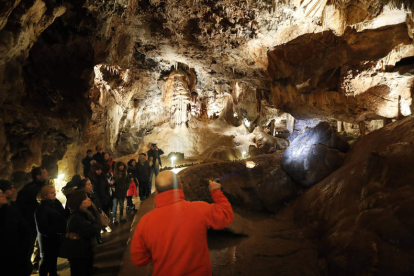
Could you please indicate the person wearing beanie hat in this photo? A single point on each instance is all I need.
(8, 190)
(5, 184)
(100, 187)
(83, 227)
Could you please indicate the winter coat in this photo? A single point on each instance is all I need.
(15, 243)
(155, 154)
(101, 188)
(121, 181)
(173, 236)
(132, 191)
(143, 171)
(50, 219)
(99, 157)
(86, 164)
(86, 227)
(27, 203)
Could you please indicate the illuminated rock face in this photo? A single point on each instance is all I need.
(242, 63)
(314, 155)
(364, 208)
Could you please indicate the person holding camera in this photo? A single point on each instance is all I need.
(173, 236)
(154, 157)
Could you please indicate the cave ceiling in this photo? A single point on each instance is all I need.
(115, 66)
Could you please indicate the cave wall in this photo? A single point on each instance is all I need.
(80, 73)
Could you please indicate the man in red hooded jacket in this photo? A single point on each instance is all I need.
(173, 236)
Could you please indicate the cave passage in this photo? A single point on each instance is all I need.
(302, 111)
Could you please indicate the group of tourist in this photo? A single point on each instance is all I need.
(37, 229)
(172, 236)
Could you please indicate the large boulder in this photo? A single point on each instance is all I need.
(362, 213)
(263, 187)
(314, 155)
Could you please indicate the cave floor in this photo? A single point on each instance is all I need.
(274, 246)
(270, 245)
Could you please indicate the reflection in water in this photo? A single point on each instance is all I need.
(222, 245)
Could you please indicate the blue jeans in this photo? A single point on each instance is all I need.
(154, 170)
(115, 207)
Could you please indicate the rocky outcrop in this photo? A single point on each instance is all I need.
(352, 77)
(361, 213)
(162, 68)
(314, 155)
(263, 187)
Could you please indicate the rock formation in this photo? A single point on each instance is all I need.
(226, 80)
(264, 186)
(362, 209)
(233, 61)
(314, 155)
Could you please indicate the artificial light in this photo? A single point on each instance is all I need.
(172, 160)
(61, 176)
(250, 164)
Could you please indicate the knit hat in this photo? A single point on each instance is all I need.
(5, 185)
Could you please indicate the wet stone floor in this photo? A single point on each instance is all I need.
(273, 245)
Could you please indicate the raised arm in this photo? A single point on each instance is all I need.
(218, 214)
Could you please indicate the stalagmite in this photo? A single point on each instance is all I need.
(339, 126)
(290, 122)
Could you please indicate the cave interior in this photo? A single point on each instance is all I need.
(302, 108)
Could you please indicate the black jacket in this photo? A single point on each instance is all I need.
(15, 241)
(27, 203)
(85, 225)
(99, 157)
(143, 171)
(155, 154)
(121, 181)
(86, 164)
(50, 219)
(100, 188)
(132, 170)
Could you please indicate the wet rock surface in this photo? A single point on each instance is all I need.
(263, 187)
(362, 209)
(315, 154)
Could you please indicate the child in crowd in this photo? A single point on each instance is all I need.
(132, 191)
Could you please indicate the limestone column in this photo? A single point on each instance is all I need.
(339, 123)
(290, 123)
